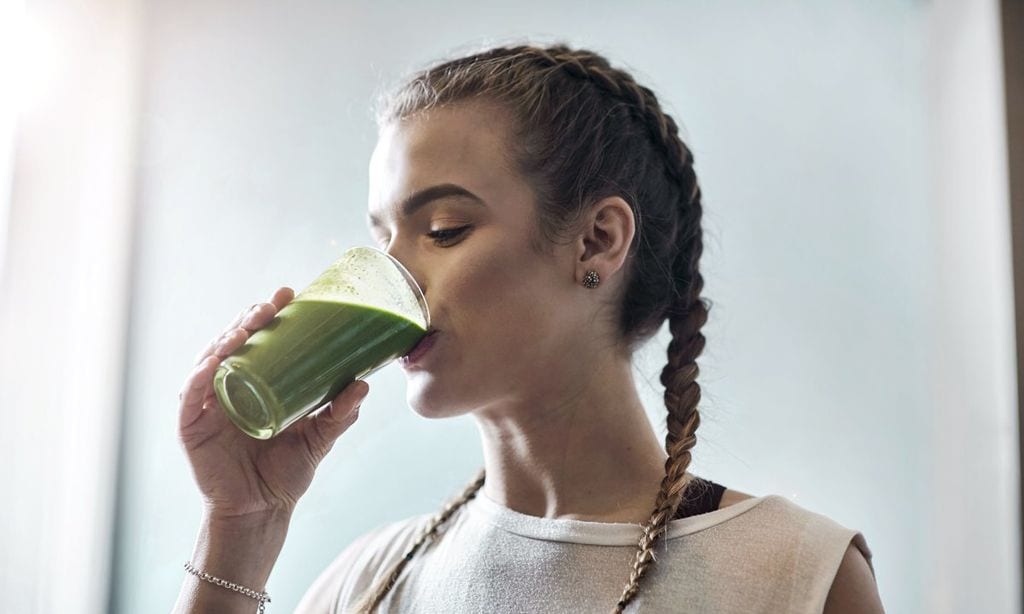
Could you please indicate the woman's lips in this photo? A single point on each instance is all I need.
(419, 350)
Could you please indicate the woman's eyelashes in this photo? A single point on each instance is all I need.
(444, 237)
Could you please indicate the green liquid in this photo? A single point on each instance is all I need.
(309, 353)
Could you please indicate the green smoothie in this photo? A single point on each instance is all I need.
(311, 351)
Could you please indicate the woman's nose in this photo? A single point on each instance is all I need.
(409, 266)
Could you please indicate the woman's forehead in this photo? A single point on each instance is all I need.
(455, 145)
(457, 136)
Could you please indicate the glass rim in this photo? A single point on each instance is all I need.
(421, 300)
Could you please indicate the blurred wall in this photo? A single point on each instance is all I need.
(973, 428)
(860, 343)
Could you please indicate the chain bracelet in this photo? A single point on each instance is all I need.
(263, 597)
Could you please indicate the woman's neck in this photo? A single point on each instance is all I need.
(590, 453)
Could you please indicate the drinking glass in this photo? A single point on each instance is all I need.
(360, 314)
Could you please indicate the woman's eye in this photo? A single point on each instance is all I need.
(442, 237)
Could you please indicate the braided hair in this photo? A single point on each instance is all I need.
(583, 131)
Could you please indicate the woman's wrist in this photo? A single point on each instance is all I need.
(258, 521)
(241, 549)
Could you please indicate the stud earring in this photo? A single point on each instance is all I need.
(591, 279)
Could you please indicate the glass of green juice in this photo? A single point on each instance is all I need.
(363, 312)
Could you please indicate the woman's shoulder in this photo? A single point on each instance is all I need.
(831, 559)
(805, 527)
(732, 497)
(779, 505)
(831, 554)
(789, 513)
(813, 538)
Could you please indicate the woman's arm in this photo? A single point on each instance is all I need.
(854, 590)
(249, 486)
(242, 550)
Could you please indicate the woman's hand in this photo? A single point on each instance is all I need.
(239, 475)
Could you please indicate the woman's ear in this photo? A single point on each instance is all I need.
(606, 236)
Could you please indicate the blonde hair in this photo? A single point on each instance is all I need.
(583, 130)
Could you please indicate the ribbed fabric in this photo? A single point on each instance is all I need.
(764, 554)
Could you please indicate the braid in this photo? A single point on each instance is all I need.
(682, 392)
(372, 597)
(687, 315)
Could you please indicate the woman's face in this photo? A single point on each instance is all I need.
(509, 320)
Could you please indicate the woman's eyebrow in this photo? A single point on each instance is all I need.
(424, 197)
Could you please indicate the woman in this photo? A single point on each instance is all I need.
(551, 213)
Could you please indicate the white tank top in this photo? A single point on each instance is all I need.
(764, 554)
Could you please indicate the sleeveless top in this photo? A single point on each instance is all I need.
(760, 555)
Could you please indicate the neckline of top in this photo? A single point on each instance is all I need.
(592, 532)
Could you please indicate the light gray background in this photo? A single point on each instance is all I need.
(810, 131)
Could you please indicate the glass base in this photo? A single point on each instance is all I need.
(244, 400)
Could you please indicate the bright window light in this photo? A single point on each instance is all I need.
(30, 57)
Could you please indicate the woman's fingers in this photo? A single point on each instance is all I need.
(329, 422)
(230, 342)
(193, 394)
(257, 318)
(212, 345)
(252, 318)
(282, 297)
(198, 388)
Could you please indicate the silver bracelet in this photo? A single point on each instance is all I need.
(248, 592)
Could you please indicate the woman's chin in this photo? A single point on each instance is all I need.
(434, 412)
(436, 409)
(427, 399)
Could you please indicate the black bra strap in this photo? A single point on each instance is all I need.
(701, 496)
